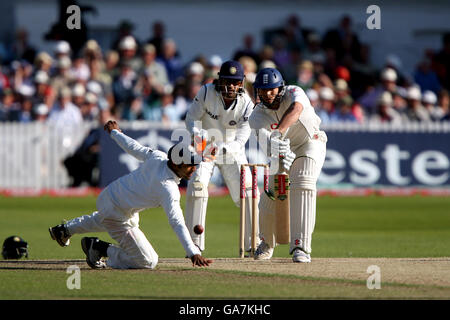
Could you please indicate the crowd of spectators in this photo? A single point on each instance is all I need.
(146, 79)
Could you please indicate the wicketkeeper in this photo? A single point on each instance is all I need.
(153, 184)
(219, 114)
(303, 154)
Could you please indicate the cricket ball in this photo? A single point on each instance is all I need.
(198, 229)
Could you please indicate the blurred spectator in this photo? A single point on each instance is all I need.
(313, 97)
(158, 37)
(62, 77)
(343, 40)
(153, 67)
(6, 103)
(104, 95)
(444, 104)
(343, 111)
(289, 71)
(170, 113)
(78, 94)
(61, 49)
(266, 54)
(127, 52)
(99, 76)
(79, 70)
(195, 72)
(171, 62)
(21, 48)
(112, 60)
(43, 62)
(123, 90)
(192, 90)
(325, 106)
(394, 62)
(40, 112)
(213, 68)
(341, 89)
(305, 75)
(65, 115)
(147, 104)
(179, 96)
(442, 62)
(363, 73)
(313, 50)
(359, 112)
(415, 111)
(44, 93)
(388, 79)
(89, 108)
(426, 78)
(280, 51)
(429, 101)
(92, 51)
(385, 111)
(82, 164)
(124, 29)
(250, 69)
(295, 33)
(247, 49)
(20, 110)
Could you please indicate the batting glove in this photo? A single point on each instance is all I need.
(287, 160)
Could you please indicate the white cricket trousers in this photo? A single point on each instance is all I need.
(303, 175)
(134, 250)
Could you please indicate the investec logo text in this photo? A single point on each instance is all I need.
(429, 167)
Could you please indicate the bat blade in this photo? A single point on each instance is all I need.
(282, 208)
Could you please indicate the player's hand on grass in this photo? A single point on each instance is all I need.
(111, 125)
(198, 260)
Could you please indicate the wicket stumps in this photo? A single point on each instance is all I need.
(254, 171)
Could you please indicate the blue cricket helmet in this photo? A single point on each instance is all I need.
(268, 78)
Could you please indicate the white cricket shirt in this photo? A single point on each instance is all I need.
(301, 131)
(232, 123)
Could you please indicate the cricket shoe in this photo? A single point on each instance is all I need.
(93, 256)
(301, 256)
(264, 252)
(60, 234)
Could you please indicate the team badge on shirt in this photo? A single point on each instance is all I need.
(232, 123)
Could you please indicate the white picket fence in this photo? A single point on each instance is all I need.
(31, 154)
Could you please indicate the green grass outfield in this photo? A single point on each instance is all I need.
(392, 227)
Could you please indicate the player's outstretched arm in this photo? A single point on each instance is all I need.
(128, 144)
(199, 261)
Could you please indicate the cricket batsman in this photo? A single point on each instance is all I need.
(219, 115)
(153, 184)
(287, 119)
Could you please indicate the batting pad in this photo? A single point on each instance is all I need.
(248, 220)
(267, 220)
(195, 213)
(303, 176)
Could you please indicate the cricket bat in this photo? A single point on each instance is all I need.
(282, 208)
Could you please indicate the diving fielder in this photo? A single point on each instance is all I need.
(219, 114)
(303, 154)
(153, 184)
